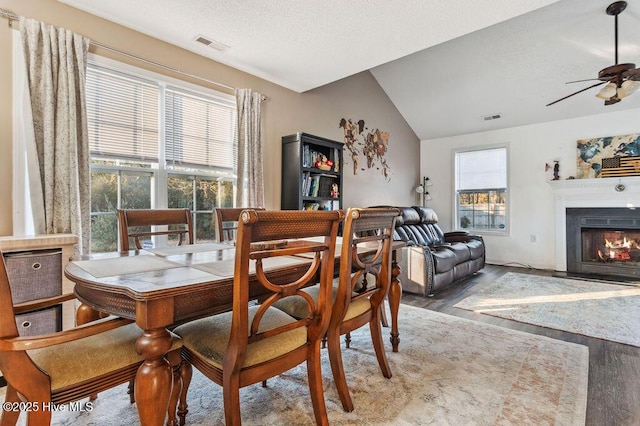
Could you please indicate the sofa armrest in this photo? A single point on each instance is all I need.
(417, 270)
(436, 246)
(456, 233)
(461, 236)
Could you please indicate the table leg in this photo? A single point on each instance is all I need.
(86, 314)
(395, 293)
(154, 377)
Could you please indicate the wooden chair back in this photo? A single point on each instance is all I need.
(225, 222)
(53, 368)
(275, 342)
(137, 224)
(262, 236)
(365, 277)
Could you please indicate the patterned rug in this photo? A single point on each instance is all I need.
(449, 371)
(591, 308)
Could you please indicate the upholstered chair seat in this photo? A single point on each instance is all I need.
(82, 360)
(210, 337)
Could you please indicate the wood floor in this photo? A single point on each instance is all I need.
(614, 368)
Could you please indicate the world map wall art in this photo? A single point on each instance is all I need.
(366, 147)
(621, 153)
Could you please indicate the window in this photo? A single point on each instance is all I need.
(156, 143)
(481, 190)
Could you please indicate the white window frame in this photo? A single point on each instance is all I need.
(507, 209)
(161, 173)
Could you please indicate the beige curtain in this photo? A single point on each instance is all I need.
(56, 61)
(250, 191)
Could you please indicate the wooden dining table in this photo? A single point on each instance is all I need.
(160, 288)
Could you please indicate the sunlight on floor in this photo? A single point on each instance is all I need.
(558, 298)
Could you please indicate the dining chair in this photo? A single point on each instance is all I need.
(363, 284)
(253, 343)
(225, 222)
(136, 224)
(66, 366)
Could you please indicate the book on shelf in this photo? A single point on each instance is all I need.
(311, 206)
(305, 156)
(306, 183)
(322, 205)
(315, 186)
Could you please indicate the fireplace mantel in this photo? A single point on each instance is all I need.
(588, 193)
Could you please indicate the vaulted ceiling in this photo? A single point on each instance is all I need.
(445, 65)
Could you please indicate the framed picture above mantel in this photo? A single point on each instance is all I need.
(611, 156)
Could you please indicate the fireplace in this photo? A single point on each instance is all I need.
(603, 241)
(592, 194)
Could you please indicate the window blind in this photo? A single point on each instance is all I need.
(199, 131)
(482, 169)
(122, 116)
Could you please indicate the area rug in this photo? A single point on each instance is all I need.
(591, 308)
(449, 371)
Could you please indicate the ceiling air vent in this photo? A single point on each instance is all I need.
(221, 47)
(492, 117)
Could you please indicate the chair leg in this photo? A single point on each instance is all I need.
(314, 375)
(378, 346)
(347, 340)
(38, 418)
(383, 315)
(131, 392)
(337, 368)
(231, 395)
(186, 372)
(10, 417)
(175, 361)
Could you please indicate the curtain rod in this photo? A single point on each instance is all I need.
(13, 17)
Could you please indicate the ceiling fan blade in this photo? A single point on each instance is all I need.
(575, 93)
(633, 74)
(580, 81)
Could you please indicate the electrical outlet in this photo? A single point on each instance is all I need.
(534, 238)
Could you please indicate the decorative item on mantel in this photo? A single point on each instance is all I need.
(555, 167)
(620, 166)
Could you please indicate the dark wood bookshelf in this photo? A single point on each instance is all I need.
(300, 152)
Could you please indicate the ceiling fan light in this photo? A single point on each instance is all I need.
(628, 87)
(607, 91)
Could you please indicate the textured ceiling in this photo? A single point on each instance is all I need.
(444, 65)
(514, 69)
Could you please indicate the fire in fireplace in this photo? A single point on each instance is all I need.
(610, 245)
(603, 241)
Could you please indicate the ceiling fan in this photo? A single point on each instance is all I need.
(621, 79)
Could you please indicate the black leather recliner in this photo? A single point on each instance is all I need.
(434, 259)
